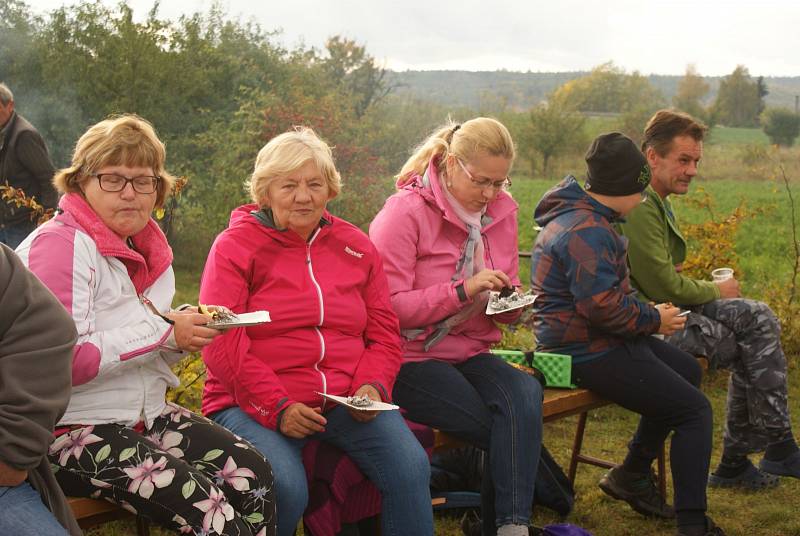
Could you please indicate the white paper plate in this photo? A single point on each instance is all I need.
(375, 406)
(242, 320)
(498, 305)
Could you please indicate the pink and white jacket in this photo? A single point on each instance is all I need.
(420, 239)
(121, 363)
(332, 330)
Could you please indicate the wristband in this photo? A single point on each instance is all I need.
(462, 292)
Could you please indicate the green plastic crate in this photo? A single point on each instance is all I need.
(556, 368)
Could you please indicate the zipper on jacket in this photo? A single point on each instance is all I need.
(321, 316)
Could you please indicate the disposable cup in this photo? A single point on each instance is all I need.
(721, 274)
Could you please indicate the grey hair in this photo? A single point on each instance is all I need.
(5, 94)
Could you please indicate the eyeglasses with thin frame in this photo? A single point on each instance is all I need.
(114, 182)
(485, 183)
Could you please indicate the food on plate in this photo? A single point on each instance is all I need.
(217, 313)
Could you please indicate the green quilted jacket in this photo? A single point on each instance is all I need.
(656, 246)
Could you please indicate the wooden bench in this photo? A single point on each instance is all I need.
(92, 512)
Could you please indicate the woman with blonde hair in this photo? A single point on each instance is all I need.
(333, 332)
(448, 237)
(109, 264)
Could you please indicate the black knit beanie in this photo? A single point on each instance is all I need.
(615, 166)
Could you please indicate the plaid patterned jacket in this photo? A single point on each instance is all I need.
(585, 303)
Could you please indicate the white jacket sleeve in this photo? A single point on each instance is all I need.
(113, 325)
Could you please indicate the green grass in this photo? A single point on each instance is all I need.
(763, 243)
(720, 135)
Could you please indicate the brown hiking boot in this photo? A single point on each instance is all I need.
(638, 490)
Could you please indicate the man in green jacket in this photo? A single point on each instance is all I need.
(735, 333)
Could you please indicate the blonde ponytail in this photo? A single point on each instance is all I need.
(476, 137)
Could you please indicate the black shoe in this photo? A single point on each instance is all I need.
(638, 490)
(710, 530)
(789, 466)
(751, 479)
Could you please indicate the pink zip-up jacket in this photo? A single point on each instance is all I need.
(121, 363)
(420, 239)
(332, 330)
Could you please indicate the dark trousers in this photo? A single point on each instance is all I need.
(659, 382)
(485, 402)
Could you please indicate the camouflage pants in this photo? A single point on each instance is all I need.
(743, 336)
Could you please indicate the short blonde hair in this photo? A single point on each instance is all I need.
(288, 152)
(477, 137)
(124, 140)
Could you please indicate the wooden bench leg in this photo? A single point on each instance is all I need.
(142, 526)
(577, 445)
(662, 472)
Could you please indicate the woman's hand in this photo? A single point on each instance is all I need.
(191, 333)
(361, 415)
(299, 421)
(670, 321)
(486, 280)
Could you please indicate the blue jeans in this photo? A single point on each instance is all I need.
(22, 513)
(384, 449)
(492, 405)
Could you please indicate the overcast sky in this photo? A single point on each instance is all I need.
(659, 37)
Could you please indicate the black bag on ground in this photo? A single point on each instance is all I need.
(461, 469)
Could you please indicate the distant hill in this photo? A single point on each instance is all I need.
(524, 90)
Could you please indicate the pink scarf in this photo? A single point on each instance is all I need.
(145, 264)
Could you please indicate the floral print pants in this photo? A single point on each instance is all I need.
(186, 473)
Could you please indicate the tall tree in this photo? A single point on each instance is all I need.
(350, 65)
(740, 99)
(552, 129)
(609, 88)
(691, 91)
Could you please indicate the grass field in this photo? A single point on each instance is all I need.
(763, 243)
(737, 136)
(764, 248)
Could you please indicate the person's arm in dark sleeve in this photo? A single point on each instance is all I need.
(32, 153)
(37, 338)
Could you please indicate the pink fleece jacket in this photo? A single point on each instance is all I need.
(420, 239)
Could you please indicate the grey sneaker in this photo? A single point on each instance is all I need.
(638, 490)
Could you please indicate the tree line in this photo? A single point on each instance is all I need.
(217, 89)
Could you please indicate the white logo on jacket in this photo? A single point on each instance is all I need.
(353, 253)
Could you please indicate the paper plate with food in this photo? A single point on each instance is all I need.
(223, 318)
(360, 403)
(508, 299)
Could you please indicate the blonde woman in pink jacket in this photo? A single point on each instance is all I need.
(447, 237)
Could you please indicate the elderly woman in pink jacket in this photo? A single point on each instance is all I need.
(447, 237)
(109, 264)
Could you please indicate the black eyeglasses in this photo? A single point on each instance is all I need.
(113, 182)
